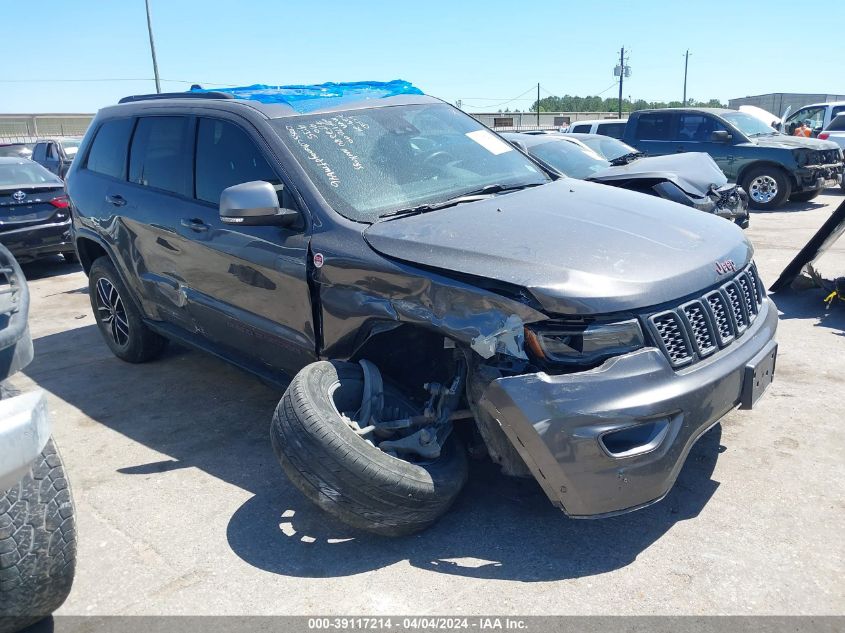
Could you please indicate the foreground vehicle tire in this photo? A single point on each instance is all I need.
(767, 187)
(119, 321)
(37, 543)
(349, 477)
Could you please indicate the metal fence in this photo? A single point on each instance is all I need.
(26, 128)
(526, 121)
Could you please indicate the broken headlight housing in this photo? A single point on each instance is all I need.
(583, 343)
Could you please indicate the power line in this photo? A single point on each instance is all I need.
(108, 79)
(496, 105)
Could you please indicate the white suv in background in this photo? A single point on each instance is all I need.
(606, 127)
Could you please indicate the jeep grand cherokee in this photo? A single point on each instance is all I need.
(426, 285)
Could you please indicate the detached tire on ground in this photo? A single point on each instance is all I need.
(37, 543)
(119, 320)
(767, 187)
(344, 474)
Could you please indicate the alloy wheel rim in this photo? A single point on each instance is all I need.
(111, 312)
(763, 189)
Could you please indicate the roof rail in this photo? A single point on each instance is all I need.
(177, 95)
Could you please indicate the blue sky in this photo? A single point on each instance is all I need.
(483, 53)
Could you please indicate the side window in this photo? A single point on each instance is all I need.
(160, 154)
(616, 130)
(39, 152)
(51, 151)
(108, 151)
(696, 127)
(655, 126)
(580, 129)
(814, 115)
(226, 156)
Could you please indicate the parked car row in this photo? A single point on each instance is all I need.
(691, 179)
(425, 286)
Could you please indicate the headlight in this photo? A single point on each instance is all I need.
(583, 344)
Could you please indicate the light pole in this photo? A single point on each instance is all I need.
(686, 65)
(153, 47)
(621, 71)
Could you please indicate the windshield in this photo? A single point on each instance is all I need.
(369, 162)
(607, 147)
(25, 173)
(749, 125)
(568, 158)
(15, 150)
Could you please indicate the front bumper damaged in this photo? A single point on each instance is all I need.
(556, 422)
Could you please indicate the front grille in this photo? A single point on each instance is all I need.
(698, 328)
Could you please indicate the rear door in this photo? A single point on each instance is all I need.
(654, 132)
(693, 133)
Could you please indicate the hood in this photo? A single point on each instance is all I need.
(783, 141)
(692, 172)
(578, 247)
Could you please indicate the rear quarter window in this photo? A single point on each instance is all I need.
(580, 129)
(615, 130)
(108, 151)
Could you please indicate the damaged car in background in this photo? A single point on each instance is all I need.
(691, 179)
(429, 288)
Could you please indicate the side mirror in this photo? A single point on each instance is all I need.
(520, 146)
(253, 204)
(721, 136)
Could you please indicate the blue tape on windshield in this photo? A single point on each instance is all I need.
(309, 98)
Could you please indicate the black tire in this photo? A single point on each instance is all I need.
(743, 222)
(345, 475)
(37, 543)
(751, 185)
(805, 196)
(70, 257)
(125, 332)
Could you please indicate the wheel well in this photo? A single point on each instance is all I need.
(764, 163)
(409, 356)
(89, 251)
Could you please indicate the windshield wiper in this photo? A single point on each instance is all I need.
(470, 196)
(626, 158)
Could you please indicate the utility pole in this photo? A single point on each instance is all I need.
(153, 47)
(538, 105)
(686, 65)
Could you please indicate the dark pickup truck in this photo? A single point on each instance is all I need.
(772, 167)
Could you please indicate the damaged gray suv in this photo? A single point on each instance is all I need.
(428, 288)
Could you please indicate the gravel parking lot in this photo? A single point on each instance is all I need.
(183, 509)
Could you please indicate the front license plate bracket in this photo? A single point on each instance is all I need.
(758, 375)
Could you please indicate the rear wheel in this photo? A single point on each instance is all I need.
(119, 320)
(348, 476)
(767, 187)
(805, 196)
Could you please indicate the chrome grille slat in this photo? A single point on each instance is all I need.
(699, 327)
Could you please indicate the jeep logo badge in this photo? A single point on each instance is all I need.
(19, 195)
(726, 266)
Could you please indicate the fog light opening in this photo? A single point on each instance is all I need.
(635, 440)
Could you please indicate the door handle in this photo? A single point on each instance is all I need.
(116, 200)
(195, 224)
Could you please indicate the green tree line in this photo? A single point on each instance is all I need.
(568, 103)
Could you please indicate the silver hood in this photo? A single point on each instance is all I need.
(578, 247)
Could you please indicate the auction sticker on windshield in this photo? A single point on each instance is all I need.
(490, 142)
